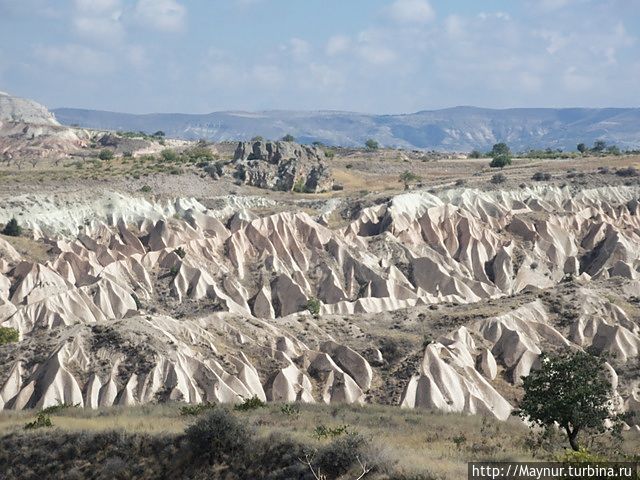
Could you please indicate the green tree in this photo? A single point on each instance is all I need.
(599, 146)
(159, 133)
(12, 229)
(500, 149)
(582, 148)
(288, 138)
(613, 150)
(475, 154)
(500, 161)
(105, 154)
(257, 138)
(371, 144)
(219, 436)
(8, 335)
(571, 390)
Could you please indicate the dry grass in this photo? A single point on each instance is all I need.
(409, 441)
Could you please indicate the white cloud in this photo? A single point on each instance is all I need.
(338, 44)
(412, 11)
(97, 6)
(299, 48)
(78, 59)
(164, 15)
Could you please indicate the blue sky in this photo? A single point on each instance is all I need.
(374, 56)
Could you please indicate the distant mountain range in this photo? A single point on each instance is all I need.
(454, 129)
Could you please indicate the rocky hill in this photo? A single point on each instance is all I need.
(28, 130)
(455, 129)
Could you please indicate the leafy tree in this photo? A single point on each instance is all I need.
(500, 161)
(12, 229)
(500, 149)
(288, 138)
(571, 390)
(371, 144)
(159, 133)
(105, 154)
(582, 148)
(8, 335)
(599, 146)
(475, 154)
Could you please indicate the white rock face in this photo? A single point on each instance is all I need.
(253, 276)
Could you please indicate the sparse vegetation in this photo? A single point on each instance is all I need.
(407, 178)
(288, 138)
(541, 176)
(195, 410)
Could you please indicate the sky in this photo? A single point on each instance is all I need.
(371, 56)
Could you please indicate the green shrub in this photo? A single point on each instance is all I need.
(500, 161)
(322, 431)
(341, 455)
(195, 410)
(220, 437)
(371, 144)
(12, 229)
(105, 154)
(299, 186)
(290, 409)
(288, 138)
(180, 252)
(146, 189)
(42, 421)
(329, 153)
(248, 404)
(169, 155)
(475, 154)
(173, 271)
(313, 305)
(53, 409)
(8, 335)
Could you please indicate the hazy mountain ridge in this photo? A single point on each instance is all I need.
(453, 129)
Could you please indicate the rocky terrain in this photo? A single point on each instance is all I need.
(191, 272)
(455, 129)
(146, 302)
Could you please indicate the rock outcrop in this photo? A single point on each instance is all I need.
(284, 166)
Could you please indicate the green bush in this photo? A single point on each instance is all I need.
(313, 305)
(500, 161)
(220, 437)
(53, 409)
(169, 155)
(341, 455)
(105, 154)
(322, 431)
(248, 404)
(8, 335)
(180, 252)
(42, 421)
(288, 138)
(146, 189)
(475, 154)
(195, 410)
(498, 178)
(371, 144)
(290, 409)
(12, 229)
